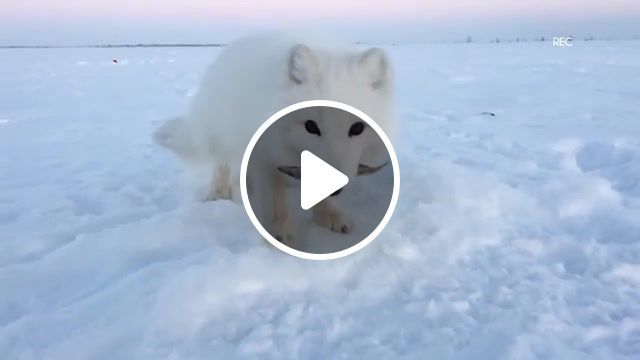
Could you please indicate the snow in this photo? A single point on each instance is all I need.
(516, 236)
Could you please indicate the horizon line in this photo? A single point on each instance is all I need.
(468, 40)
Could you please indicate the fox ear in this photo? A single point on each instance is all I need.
(375, 65)
(303, 65)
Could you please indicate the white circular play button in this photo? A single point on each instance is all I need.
(319, 180)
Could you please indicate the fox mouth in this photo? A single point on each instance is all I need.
(368, 170)
(295, 171)
(292, 171)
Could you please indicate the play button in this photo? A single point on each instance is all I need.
(294, 176)
(318, 180)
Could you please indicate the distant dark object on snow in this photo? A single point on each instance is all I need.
(488, 113)
(115, 61)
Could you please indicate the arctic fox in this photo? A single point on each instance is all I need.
(257, 76)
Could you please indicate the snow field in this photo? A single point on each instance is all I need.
(516, 235)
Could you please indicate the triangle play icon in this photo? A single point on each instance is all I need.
(318, 180)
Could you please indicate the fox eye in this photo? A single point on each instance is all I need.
(356, 129)
(312, 127)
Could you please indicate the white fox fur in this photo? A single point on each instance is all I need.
(257, 76)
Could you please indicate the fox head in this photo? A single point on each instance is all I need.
(362, 80)
(336, 136)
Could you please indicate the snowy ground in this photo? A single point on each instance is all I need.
(516, 235)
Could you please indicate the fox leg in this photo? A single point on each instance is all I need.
(267, 191)
(327, 215)
(280, 211)
(220, 185)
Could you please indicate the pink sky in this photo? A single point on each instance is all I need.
(297, 10)
(99, 21)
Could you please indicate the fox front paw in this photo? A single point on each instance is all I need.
(332, 219)
(219, 193)
(282, 231)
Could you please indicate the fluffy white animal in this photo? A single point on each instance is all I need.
(257, 76)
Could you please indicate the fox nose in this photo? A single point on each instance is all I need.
(337, 192)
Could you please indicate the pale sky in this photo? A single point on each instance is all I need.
(74, 22)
